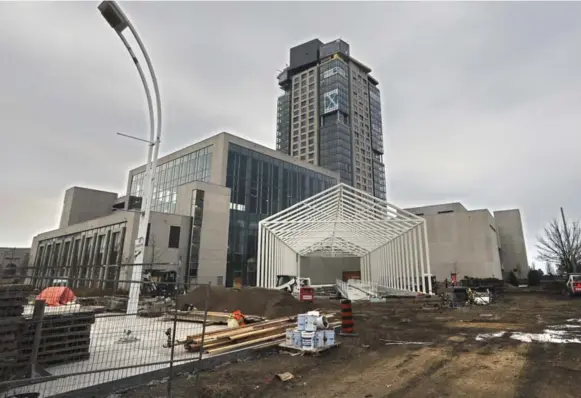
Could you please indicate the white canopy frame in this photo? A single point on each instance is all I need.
(343, 221)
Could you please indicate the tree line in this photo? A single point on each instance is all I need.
(559, 246)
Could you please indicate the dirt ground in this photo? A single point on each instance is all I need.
(454, 364)
(251, 301)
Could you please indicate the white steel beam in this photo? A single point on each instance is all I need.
(341, 222)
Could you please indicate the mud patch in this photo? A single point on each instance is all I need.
(485, 325)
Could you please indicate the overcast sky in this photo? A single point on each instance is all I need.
(481, 101)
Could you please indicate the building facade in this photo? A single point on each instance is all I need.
(13, 263)
(208, 200)
(474, 243)
(97, 253)
(330, 114)
(228, 184)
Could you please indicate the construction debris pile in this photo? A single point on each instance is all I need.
(463, 296)
(261, 302)
(13, 298)
(155, 306)
(261, 334)
(264, 334)
(311, 333)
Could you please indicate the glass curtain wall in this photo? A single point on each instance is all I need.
(379, 189)
(194, 166)
(197, 213)
(261, 186)
(335, 149)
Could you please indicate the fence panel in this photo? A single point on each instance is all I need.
(65, 335)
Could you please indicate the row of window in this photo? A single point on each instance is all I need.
(194, 166)
(79, 255)
(197, 212)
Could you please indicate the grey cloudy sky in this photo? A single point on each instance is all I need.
(481, 101)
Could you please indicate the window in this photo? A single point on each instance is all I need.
(174, 237)
(147, 234)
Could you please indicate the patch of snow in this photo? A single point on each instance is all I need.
(549, 336)
(565, 327)
(558, 334)
(488, 336)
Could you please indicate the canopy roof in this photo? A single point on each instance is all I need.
(340, 221)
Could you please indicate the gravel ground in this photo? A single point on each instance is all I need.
(453, 364)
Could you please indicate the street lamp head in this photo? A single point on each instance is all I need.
(113, 15)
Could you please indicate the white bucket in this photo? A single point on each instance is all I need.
(320, 338)
(297, 341)
(289, 337)
(311, 323)
(322, 322)
(330, 337)
(301, 321)
(308, 340)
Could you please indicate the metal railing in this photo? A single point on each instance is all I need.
(368, 288)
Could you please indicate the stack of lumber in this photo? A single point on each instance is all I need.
(213, 318)
(263, 334)
(66, 337)
(13, 298)
(232, 339)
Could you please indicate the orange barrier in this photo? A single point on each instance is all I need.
(347, 323)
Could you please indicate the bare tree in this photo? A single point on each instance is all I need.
(561, 245)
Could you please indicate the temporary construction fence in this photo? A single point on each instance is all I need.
(58, 341)
(343, 221)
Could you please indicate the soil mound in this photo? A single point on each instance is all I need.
(251, 301)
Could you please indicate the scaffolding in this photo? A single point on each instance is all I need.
(343, 221)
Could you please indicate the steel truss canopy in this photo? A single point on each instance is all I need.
(343, 221)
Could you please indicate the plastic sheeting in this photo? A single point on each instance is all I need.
(57, 295)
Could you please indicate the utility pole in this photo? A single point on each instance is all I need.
(569, 264)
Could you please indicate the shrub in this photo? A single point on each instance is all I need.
(512, 279)
(534, 277)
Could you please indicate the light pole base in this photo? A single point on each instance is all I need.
(127, 338)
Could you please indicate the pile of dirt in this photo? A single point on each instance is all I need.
(251, 301)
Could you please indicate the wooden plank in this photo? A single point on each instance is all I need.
(257, 332)
(212, 317)
(244, 344)
(310, 352)
(242, 329)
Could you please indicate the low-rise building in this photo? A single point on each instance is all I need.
(13, 263)
(207, 203)
(474, 243)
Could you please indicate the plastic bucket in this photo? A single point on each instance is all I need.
(330, 337)
(301, 321)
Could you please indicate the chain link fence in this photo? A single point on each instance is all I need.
(63, 337)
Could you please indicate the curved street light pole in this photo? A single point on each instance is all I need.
(119, 21)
